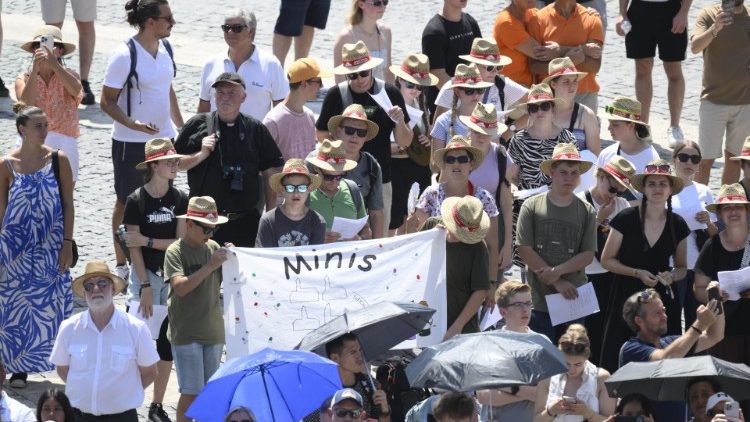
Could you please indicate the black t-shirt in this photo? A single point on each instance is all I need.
(380, 146)
(242, 151)
(443, 41)
(157, 220)
(714, 258)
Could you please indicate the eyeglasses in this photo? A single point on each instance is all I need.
(692, 157)
(36, 45)
(473, 91)
(332, 177)
(315, 81)
(101, 283)
(569, 347)
(235, 27)
(207, 230)
(352, 413)
(661, 168)
(356, 75)
(521, 305)
(352, 130)
(169, 18)
(545, 106)
(494, 68)
(378, 3)
(410, 85)
(299, 188)
(452, 160)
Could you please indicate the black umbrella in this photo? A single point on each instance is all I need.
(490, 359)
(667, 379)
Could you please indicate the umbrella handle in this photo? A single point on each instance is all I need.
(367, 371)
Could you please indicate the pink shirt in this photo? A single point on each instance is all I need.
(60, 107)
(293, 132)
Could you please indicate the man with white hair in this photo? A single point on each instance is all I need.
(266, 84)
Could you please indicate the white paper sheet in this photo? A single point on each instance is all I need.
(414, 115)
(489, 319)
(383, 100)
(734, 282)
(347, 227)
(687, 207)
(526, 193)
(153, 323)
(562, 310)
(413, 198)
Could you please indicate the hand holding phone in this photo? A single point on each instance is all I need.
(569, 399)
(732, 409)
(47, 42)
(728, 7)
(714, 293)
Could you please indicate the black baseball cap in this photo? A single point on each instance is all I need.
(230, 78)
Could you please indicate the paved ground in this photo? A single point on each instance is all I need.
(197, 36)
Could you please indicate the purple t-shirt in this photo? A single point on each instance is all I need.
(293, 132)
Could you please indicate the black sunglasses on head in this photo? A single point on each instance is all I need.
(236, 28)
(356, 75)
(545, 106)
(683, 157)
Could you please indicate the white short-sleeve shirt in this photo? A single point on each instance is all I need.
(14, 411)
(513, 92)
(149, 98)
(103, 374)
(264, 78)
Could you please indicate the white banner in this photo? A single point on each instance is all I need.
(274, 296)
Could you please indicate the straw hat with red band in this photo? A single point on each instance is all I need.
(484, 51)
(294, 166)
(415, 69)
(539, 93)
(745, 153)
(356, 112)
(562, 66)
(203, 210)
(566, 153)
(657, 168)
(729, 194)
(624, 109)
(356, 57)
(483, 119)
(331, 157)
(465, 218)
(158, 149)
(459, 142)
(97, 269)
(620, 169)
(467, 76)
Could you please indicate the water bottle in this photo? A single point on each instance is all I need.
(626, 27)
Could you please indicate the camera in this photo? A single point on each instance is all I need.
(236, 175)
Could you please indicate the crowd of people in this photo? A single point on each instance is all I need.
(500, 137)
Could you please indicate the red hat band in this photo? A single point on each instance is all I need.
(459, 222)
(157, 154)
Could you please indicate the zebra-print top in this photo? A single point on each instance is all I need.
(528, 153)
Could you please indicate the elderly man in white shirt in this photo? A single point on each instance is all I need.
(105, 356)
(11, 410)
(266, 83)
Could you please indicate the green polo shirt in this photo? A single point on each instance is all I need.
(341, 205)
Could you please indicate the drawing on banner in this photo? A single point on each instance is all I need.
(329, 315)
(305, 322)
(332, 292)
(303, 294)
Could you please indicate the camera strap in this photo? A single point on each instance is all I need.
(746, 254)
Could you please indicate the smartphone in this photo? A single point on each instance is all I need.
(570, 399)
(732, 409)
(629, 418)
(47, 41)
(713, 293)
(728, 7)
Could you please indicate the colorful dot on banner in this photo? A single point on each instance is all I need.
(255, 304)
(418, 277)
(265, 313)
(237, 318)
(394, 271)
(253, 274)
(380, 246)
(255, 293)
(387, 288)
(278, 305)
(270, 338)
(270, 294)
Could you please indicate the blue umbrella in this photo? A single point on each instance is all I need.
(277, 385)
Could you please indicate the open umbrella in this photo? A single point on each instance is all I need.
(667, 379)
(277, 385)
(490, 359)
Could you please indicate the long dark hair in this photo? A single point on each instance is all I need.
(60, 398)
(670, 217)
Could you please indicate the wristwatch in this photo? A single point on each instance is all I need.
(150, 243)
(145, 285)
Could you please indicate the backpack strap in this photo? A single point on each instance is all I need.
(56, 169)
(356, 194)
(574, 116)
(590, 198)
(168, 47)
(346, 94)
(140, 198)
(132, 74)
(500, 84)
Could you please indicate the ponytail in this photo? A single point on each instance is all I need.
(454, 111)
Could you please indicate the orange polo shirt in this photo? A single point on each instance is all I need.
(581, 27)
(509, 33)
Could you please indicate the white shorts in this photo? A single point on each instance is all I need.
(715, 121)
(68, 145)
(53, 11)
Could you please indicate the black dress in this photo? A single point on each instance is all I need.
(635, 252)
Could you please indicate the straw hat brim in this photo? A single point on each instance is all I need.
(740, 157)
(219, 220)
(67, 47)
(476, 153)
(481, 84)
(323, 165)
(370, 64)
(610, 116)
(144, 164)
(335, 121)
(431, 80)
(637, 182)
(500, 129)
(580, 75)
(714, 208)
(276, 178)
(617, 179)
(546, 165)
(77, 285)
(462, 234)
(502, 61)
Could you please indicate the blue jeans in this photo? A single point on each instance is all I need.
(195, 363)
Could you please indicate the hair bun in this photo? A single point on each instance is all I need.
(18, 106)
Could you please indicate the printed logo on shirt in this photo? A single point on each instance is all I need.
(459, 36)
(370, 112)
(257, 84)
(294, 238)
(162, 215)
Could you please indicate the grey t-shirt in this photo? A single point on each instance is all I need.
(361, 175)
(277, 230)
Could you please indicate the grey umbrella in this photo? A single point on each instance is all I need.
(667, 379)
(490, 359)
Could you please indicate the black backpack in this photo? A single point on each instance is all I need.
(132, 74)
(401, 397)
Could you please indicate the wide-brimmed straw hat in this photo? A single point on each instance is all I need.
(203, 210)
(97, 269)
(539, 93)
(623, 109)
(568, 153)
(485, 51)
(465, 218)
(467, 76)
(294, 166)
(483, 119)
(745, 152)
(49, 31)
(621, 170)
(460, 142)
(356, 112)
(158, 149)
(331, 156)
(657, 168)
(562, 66)
(356, 57)
(729, 194)
(415, 69)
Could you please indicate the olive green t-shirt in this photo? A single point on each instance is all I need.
(195, 317)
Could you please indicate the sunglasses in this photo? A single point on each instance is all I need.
(662, 168)
(472, 91)
(356, 75)
(452, 160)
(299, 188)
(685, 157)
(521, 305)
(342, 413)
(410, 85)
(101, 284)
(646, 295)
(332, 177)
(36, 45)
(236, 28)
(545, 106)
(378, 3)
(573, 348)
(494, 68)
(352, 130)
(206, 229)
